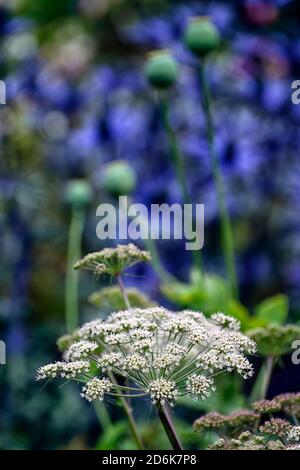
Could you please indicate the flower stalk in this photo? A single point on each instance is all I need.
(226, 229)
(166, 420)
(178, 164)
(128, 411)
(267, 369)
(123, 290)
(72, 278)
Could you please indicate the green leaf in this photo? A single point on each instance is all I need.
(112, 436)
(273, 309)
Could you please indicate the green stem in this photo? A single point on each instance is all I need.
(71, 290)
(178, 163)
(164, 275)
(72, 276)
(177, 158)
(102, 415)
(261, 384)
(128, 411)
(226, 229)
(267, 368)
(123, 290)
(169, 428)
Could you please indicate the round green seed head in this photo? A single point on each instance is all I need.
(119, 178)
(161, 70)
(201, 36)
(78, 192)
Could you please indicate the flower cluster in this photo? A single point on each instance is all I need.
(230, 425)
(67, 370)
(274, 340)
(96, 388)
(80, 350)
(160, 353)
(276, 434)
(248, 441)
(242, 431)
(113, 261)
(288, 403)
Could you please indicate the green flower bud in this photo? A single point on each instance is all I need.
(119, 178)
(161, 70)
(78, 192)
(201, 36)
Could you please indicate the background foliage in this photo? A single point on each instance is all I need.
(77, 101)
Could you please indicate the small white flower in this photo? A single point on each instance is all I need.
(142, 345)
(118, 338)
(180, 325)
(108, 361)
(140, 333)
(238, 362)
(162, 391)
(68, 370)
(91, 329)
(294, 434)
(225, 320)
(96, 388)
(199, 335)
(135, 363)
(176, 349)
(166, 361)
(198, 385)
(80, 349)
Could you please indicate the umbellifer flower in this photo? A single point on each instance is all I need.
(161, 354)
(230, 425)
(113, 261)
(294, 434)
(274, 340)
(276, 427)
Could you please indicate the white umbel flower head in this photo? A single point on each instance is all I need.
(163, 354)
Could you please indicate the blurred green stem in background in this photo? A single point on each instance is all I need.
(129, 414)
(71, 290)
(123, 290)
(262, 382)
(72, 276)
(150, 244)
(178, 163)
(226, 229)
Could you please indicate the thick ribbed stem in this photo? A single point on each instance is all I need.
(169, 428)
